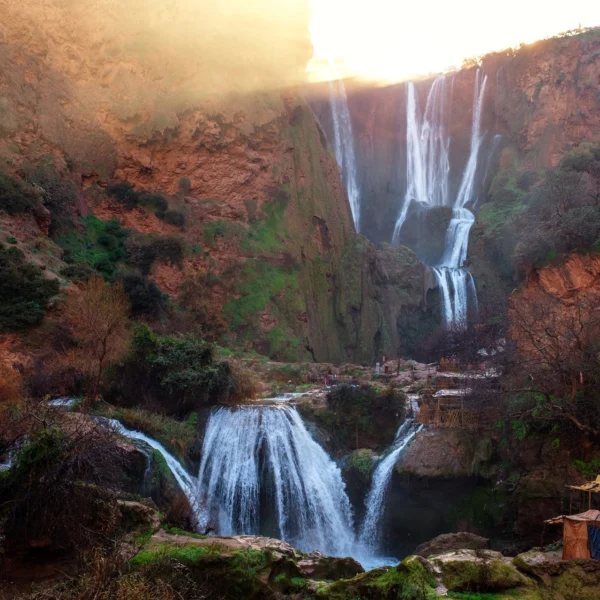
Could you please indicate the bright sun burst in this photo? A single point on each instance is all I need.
(390, 40)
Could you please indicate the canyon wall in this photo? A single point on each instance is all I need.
(268, 226)
(542, 99)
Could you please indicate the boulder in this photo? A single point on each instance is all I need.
(477, 571)
(135, 515)
(448, 542)
(319, 566)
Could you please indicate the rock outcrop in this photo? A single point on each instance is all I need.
(448, 542)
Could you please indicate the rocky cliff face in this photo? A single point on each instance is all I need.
(268, 223)
(541, 99)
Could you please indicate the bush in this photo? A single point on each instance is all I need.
(145, 298)
(101, 245)
(60, 489)
(174, 217)
(15, 195)
(129, 198)
(124, 194)
(364, 416)
(78, 272)
(178, 374)
(24, 291)
(143, 252)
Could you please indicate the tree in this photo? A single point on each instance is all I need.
(97, 319)
(555, 369)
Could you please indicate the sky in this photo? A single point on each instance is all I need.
(391, 40)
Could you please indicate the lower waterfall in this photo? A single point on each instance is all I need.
(256, 458)
(370, 532)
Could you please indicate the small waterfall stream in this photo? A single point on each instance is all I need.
(370, 532)
(186, 482)
(343, 145)
(265, 455)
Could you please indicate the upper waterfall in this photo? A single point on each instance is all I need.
(343, 145)
(427, 148)
(256, 458)
(428, 186)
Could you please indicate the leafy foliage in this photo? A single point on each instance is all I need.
(24, 291)
(60, 488)
(177, 373)
(15, 195)
(145, 298)
(101, 245)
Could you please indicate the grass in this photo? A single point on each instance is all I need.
(179, 531)
(184, 554)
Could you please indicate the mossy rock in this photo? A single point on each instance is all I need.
(478, 571)
(410, 580)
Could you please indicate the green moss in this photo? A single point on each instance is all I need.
(266, 236)
(480, 575)
(408, 581)
(184, 554)
(362, 461)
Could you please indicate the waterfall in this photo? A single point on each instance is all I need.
(465, 192)
(427, 175)
(370, 532)
(427, 151)
(186, 482)
(264, 455)
(343, 145)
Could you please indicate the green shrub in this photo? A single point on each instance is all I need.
(101, 245)
(11, 240)
(178, 373)
(78, 272)
(145, 298)
(60, 488)
(588, 469)
(24, 291)
(124, 194)
(174, 217)
(144, 252)
(15, 195)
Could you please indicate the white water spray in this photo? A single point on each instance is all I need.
(265, 454)
(343, 145)
(370, 533)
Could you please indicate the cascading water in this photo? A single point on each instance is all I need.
(427, 146)
(428, 171)
(265, 455)
(186, 482)
(343, 145)
(370, 532)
